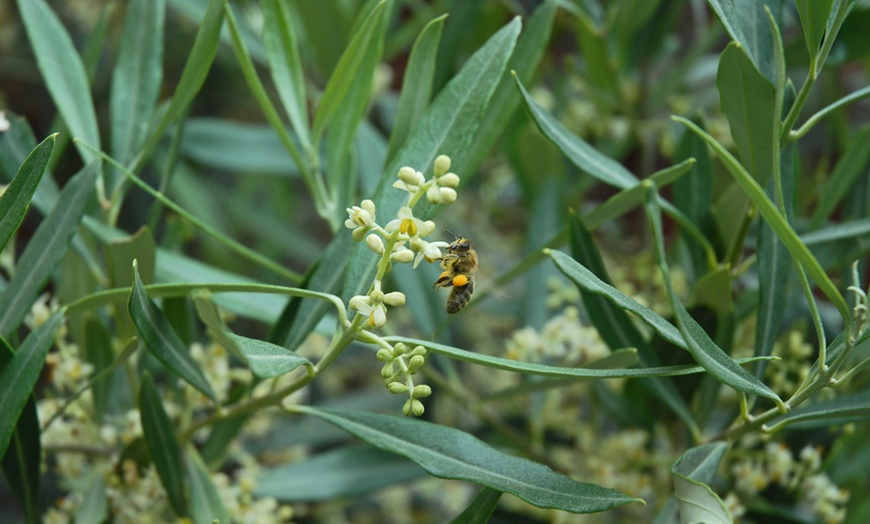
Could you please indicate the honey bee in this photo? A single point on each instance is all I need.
(459, 265)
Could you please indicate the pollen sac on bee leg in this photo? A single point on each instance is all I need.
(460, 281)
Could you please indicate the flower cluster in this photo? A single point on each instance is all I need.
(401, 240)
(799, 475)
(399, 367)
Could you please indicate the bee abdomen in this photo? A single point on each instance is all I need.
(459, 297)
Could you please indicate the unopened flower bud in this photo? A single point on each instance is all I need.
(375, 243)
(433, 195)
(421, 391)
(442, 165)
(448, 195)
(397, 388)
(415, 364)
(449, 180)
(394, 298)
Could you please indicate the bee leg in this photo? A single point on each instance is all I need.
(445, 280)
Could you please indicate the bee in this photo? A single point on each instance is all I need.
(459, 265)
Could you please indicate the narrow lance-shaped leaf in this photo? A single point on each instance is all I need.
(531, 368)
(747, 100)
(826, 413)
(192, 77)
(698, 342)
(45, 249)
(449, 453)
(16, 199)
(480, 509)
(265, 359)
(771, 215)
(692, 473)
(18, 374)
(285, 65)
(206, 503)
(161, 340)
(137, 76)
(614, 324)
(524, 61)
(416, 84)
(581, 154)
(23, 456)
(63, 71)
(162, 443)
(342, 128)
(351, 64)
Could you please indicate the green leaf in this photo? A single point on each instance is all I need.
(63, 71)
(349, 110)
(192, 77)
(23, 458)
(746, 22)
(854, 229)
(176, 267)
(99, 353)
(480, 509)
(45, 249)
(352, 471)
(236, 146)
(452, 454)
(747, 100)
(590, 282)
(850, 167)
(259, 91)
(447, 128)
(95, 504)
(265, 359)
(581, 154)
(827, 413)
(524, 61)
(779, 224)
(16, 143)
(698, 342)
(206, 503)
(19, 373)
(693, 194)
(137, 76)
(416, 84)
(158, 431)
(161, 340)
(357, 62)
(543, 370)
(631, 197)
(285, 65)
(16, 199)
(814, 19)
(613, 322)
(692, 473)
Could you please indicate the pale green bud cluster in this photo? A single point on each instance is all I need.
(399, 367)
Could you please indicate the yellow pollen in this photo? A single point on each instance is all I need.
(408, 226)
(460, 280)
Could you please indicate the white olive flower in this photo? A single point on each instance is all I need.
(407, 224)
(375, 304)
(361, 218)
(430, 251)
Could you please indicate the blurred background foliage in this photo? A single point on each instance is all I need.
(613, 73)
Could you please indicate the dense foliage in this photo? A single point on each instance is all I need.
(228, 241)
